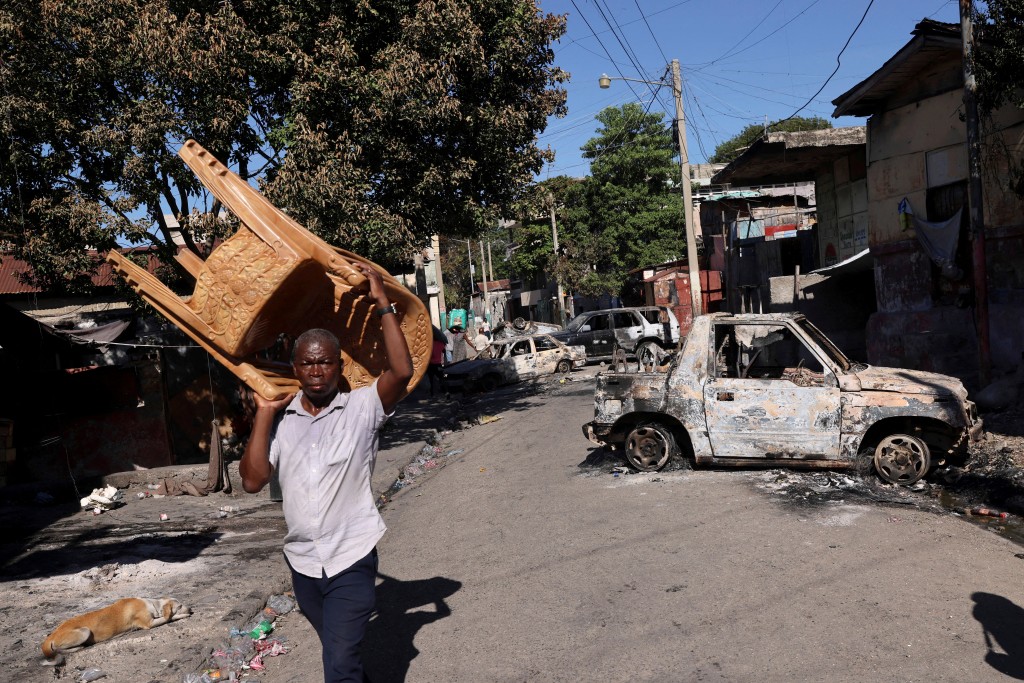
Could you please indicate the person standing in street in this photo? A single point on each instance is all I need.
(449, 345)
(322, 445)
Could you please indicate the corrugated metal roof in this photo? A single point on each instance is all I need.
(11, 268)
(734, 194)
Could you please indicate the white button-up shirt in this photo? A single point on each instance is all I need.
(324, 464)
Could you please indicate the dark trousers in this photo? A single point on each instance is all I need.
(339, 608)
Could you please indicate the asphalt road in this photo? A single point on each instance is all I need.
(513, 563)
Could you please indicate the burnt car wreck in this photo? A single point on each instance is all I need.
(749, 390)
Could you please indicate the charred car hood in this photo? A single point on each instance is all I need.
(910, 382)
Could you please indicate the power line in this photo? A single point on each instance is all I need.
(638, 9)
(603, 47)
(838, 63)
(756, 26)
(623, 43)
(726, 56)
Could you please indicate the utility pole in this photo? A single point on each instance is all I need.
(974, 194)
(554, 239)
(490, 263)
(435, 244)
(684, 163)
(472, 282)
(483, 271)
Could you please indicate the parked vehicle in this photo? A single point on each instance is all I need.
(643, 331)
(514, 359)
(772, 389)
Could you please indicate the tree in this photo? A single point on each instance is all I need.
(373, 124)
(628, 213)
(734, 146)
(999, 69)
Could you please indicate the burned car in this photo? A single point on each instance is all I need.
(772, 389)
(513, 360)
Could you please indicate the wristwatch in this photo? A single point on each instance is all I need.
(390, 308)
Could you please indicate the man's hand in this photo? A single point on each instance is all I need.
(273, 407)
(376, 281)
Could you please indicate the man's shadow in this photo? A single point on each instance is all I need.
(1003, 623)
(403, 607)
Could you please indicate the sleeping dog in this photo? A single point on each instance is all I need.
(122, 616)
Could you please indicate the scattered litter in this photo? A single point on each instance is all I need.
(261, 630)
(107, 498)
(143, 494)
(483, 469)
(984, 512)
(281, 604)
(164, 517)
(92, 674)
(894, 520)
(229, 508)
(487, 419)
(266, 648)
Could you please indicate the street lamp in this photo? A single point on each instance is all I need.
(605, 81)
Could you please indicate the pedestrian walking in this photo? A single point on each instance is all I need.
(435, 369)
(322, 444)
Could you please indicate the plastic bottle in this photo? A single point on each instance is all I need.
(262, 629)
(92, 674)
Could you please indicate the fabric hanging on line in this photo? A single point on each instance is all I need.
(938, 238)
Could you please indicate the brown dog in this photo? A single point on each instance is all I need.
(122, 616)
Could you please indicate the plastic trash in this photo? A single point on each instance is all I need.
(282, 604)
(262, 629)
(92, 674)
(986, 512)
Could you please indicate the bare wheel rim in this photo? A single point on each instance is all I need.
(564, 366)
(645, 352)
(648, 448)
(901, 459)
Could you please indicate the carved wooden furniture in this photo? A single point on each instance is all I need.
(271, 278)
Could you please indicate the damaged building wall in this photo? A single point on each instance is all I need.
(925, 317)
(842, 195)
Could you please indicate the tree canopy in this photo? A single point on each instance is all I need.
(729, 149)
(628, 213)
(373, 124)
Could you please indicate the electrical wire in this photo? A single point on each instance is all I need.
(648, 24)
(603, 47)
(609, 18)
(752, 45)
(838, 63)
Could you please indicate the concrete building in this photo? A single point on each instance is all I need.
(916, 151)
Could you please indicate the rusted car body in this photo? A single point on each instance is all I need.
(772, 389)
(515, 359)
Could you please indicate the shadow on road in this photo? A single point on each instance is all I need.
(1003, 622)
(388, 647)
(70, 553)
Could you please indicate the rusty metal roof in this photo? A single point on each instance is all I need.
(790, 157)
(933, 41)
(11, 268)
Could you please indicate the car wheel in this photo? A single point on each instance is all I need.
(902, 459)
(489, 382)
(649, 447)
(563, 366)
(647, 352)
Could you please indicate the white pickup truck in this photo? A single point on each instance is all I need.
(771, 389)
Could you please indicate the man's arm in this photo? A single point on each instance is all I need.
(392, 383)
(254, 467)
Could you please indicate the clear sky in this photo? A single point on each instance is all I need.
(742, 60)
